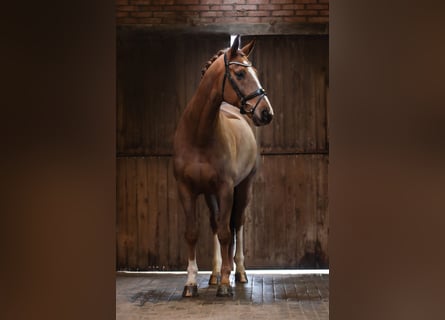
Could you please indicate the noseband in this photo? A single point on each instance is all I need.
(258, 92)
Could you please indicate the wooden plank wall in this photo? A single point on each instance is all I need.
(287, 221)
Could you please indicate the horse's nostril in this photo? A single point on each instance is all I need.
(266, 116)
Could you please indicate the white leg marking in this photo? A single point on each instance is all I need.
(239, 254)
(217, 260)
(192, 273)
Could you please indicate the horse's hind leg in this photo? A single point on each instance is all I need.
(188, 201)
(242, 196)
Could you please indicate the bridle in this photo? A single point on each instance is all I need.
(258, 92)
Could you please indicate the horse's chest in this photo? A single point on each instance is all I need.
(201, 175)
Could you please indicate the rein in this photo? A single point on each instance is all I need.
(258, 92)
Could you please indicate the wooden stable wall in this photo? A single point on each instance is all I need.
(287, 220)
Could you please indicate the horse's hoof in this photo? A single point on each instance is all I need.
(224, 290)
(241, 277)
(190, 291)
(214, 279)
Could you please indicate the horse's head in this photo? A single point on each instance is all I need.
(241, 86)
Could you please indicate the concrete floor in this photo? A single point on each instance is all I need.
(284, 294)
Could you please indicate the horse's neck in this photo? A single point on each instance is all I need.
(203, 112)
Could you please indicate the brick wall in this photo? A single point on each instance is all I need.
(207, 12)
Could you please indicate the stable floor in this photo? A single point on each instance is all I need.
(283, 294)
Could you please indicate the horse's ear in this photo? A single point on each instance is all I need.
(247, 49)
(235, 46)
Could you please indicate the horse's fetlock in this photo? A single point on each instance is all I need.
(225, 271)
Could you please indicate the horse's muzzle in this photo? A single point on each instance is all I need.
(266, 116)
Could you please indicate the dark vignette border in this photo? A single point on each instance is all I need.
(386, 164)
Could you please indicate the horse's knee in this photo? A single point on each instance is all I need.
(225, 236)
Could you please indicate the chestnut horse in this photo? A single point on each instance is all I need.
(215, 154)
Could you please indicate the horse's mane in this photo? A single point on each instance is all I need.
(212, 59)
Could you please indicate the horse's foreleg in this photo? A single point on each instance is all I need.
(216, 261)
(191, 285)
(225, 237)
(240, 272)
(242, 196)
(188, 201)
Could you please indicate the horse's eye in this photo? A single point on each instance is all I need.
(239, 75)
